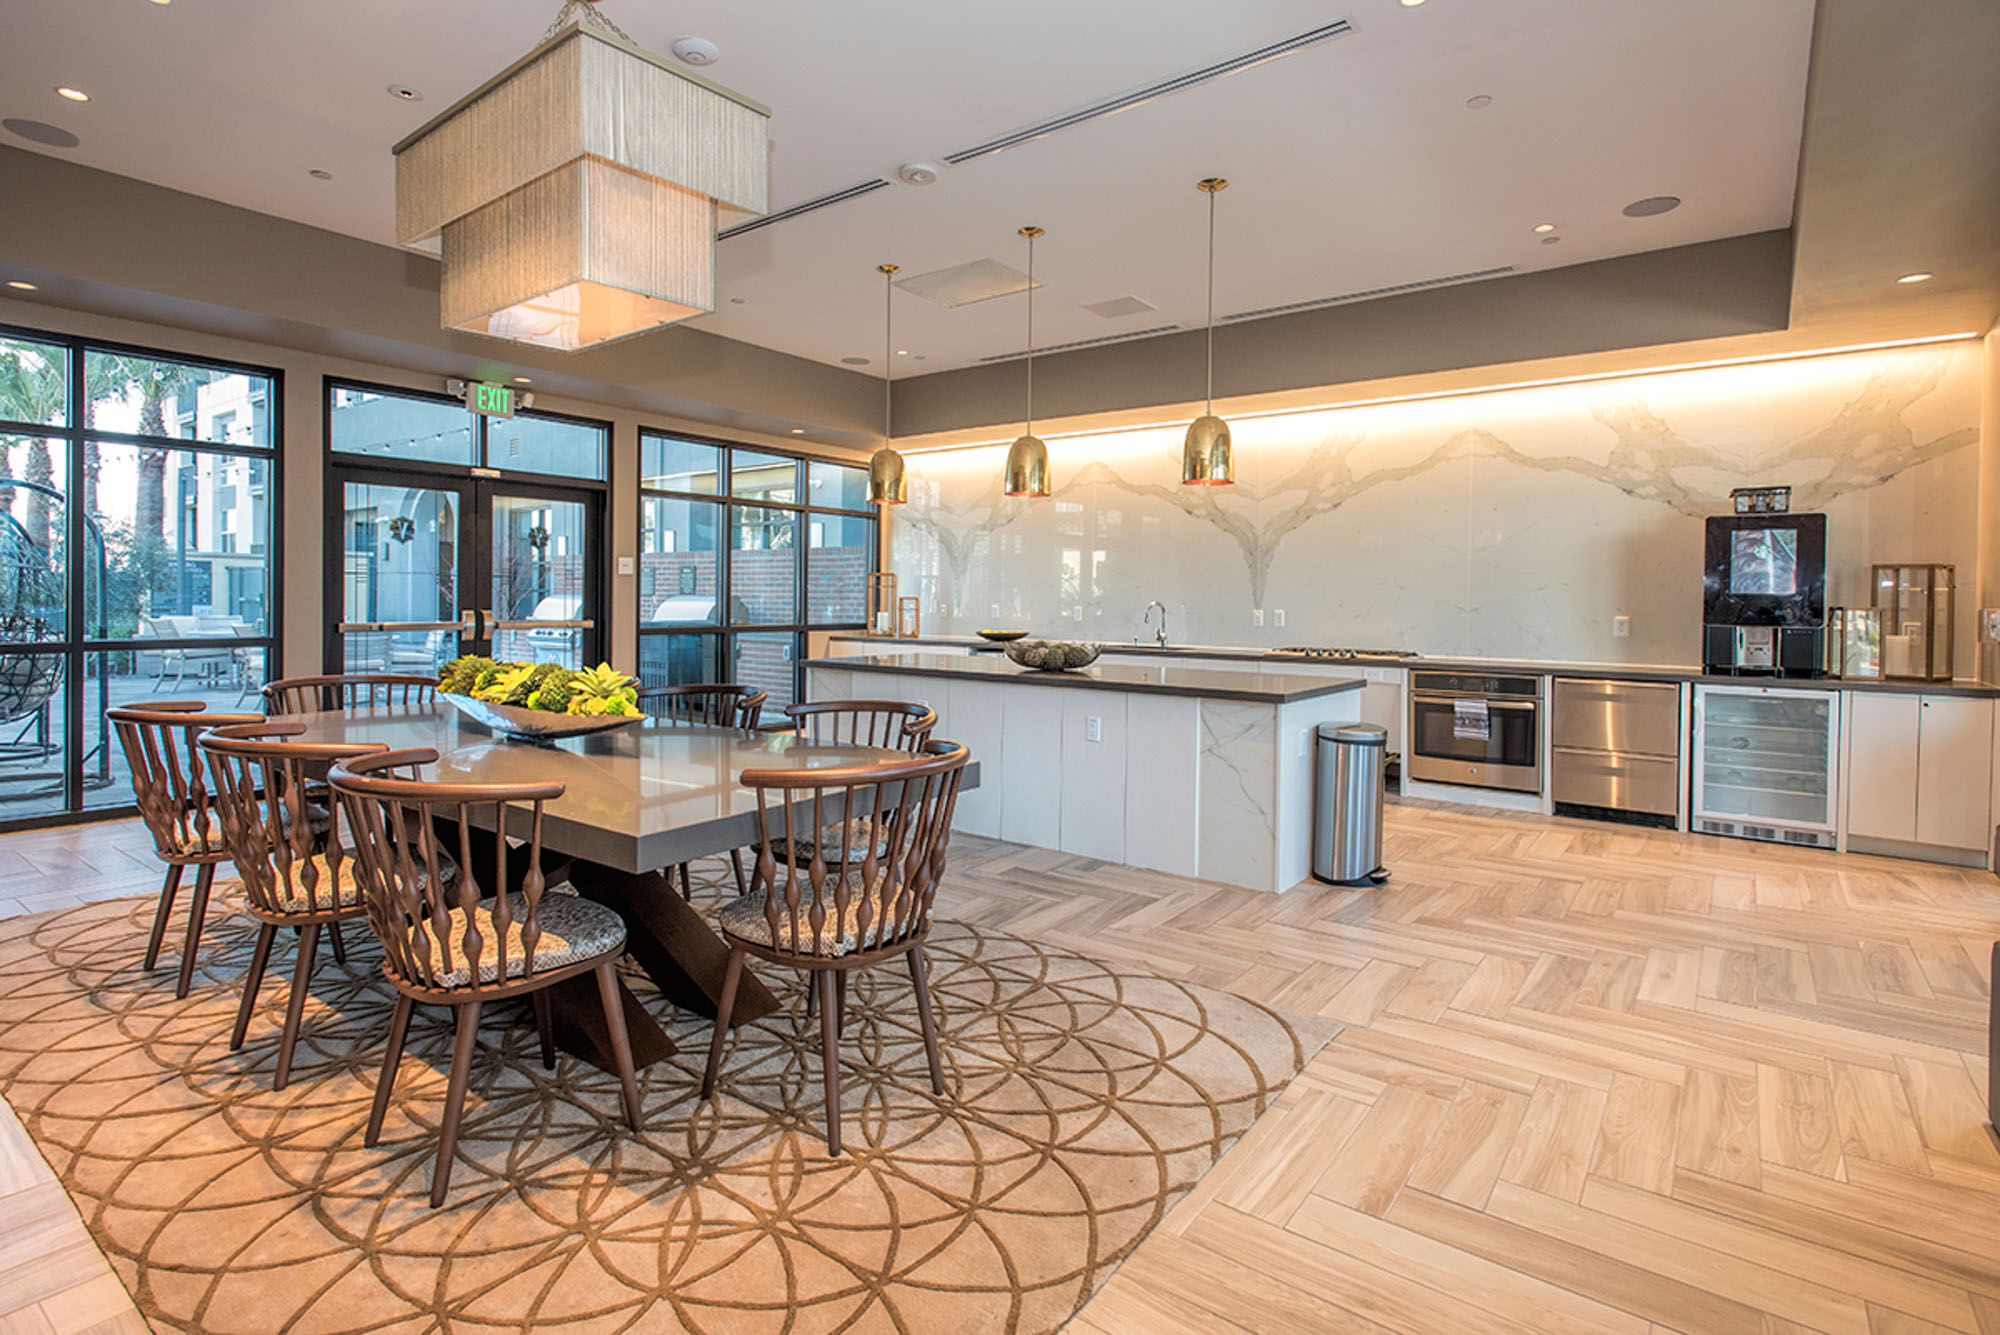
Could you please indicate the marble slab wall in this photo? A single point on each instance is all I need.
(1511, 523)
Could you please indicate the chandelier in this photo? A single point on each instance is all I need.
(575, 195)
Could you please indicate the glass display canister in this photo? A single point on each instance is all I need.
(1854, 642)
(882, 602)
(1916, 602)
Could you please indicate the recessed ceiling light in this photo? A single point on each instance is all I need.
(320, 174)
(1919, 277)
(798, 431)
(854, 361)
(1545, 227)
(405, 92)
(163, 2)
(1480, 102)
(522, 380)
(1651, 205)
(73, 94)
(1411, 4)
(902, 352)
(21, 286)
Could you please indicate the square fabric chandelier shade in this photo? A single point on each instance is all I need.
(575, 197)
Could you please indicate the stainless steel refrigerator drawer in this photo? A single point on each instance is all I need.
(1622, 783)
(1638, 717)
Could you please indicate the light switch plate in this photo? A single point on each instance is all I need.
(1621, 627)
(1278, 617)
(1093, 728)
(1256, 616)
(628, 565)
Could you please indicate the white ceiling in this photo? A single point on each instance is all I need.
(1354, 164)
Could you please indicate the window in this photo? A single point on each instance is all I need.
(137, 490)
(742, 552)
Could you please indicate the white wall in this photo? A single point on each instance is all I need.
(1508, 523)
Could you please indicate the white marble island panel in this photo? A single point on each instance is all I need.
(1196, 771)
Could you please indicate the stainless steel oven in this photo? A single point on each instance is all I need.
(1476, 730)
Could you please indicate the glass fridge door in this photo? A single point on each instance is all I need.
(1765, 755)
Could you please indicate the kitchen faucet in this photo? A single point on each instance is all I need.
(1159, 636)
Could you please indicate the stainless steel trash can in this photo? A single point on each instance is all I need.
(1347, 803)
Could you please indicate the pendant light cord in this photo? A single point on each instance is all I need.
(1031, 336)
(1211, 302)
(888, 354)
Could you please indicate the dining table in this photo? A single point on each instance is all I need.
(637, 801)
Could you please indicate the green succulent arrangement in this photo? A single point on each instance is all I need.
(544, 686)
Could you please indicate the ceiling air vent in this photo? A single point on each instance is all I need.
(1367, 293)
(963, 284)
(837, 197)
(1082, 343)
(1126, 101)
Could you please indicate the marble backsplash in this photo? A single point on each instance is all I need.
(1510, 524)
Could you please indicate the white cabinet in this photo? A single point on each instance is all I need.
(1882, 766)
(1920, 769)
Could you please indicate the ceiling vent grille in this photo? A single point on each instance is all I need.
(1126, 101)
(837, 197)
(1366, 293)
(1082, 343)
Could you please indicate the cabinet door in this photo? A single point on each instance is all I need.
(1955, 772)
(1882, 765)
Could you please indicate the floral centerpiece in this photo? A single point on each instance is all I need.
(539, 701)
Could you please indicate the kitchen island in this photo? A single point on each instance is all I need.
(1196, 771)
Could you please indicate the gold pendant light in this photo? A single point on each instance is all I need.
(886, 485)
(1207, 459)
(1028, 460)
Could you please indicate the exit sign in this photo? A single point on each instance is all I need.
(490, 400)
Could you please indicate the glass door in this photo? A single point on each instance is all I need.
(433, 567)
(540, 578)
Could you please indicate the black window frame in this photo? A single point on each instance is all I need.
(77, 645)
(723, 629)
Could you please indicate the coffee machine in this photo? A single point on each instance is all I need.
(1763, 595)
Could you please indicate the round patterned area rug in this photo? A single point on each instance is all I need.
(1083, 1099)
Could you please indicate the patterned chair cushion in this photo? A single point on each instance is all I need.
(573, 929)
(743, 918)
(831, 842)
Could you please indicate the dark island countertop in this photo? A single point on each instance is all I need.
(1668, 672)
(1207, 683)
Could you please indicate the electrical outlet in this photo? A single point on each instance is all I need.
(1093, 728)
(996, 614)
(1278, 617)
(628, 565)
(1621, 627)
(1256, 616)
(1076, 614)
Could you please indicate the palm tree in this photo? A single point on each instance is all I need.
(31, 391)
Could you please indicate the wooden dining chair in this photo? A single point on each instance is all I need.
(493, 930)
(170, 788)
(712, 706)
(898, 725)
(288, 849)
(347, 690)
(850, 902)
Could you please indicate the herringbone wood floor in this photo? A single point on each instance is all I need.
(1592, 1079)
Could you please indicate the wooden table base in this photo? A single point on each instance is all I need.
(577, 1015)
(671, 940)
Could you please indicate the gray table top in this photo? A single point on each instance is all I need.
(1264, 688)
(639, 798)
